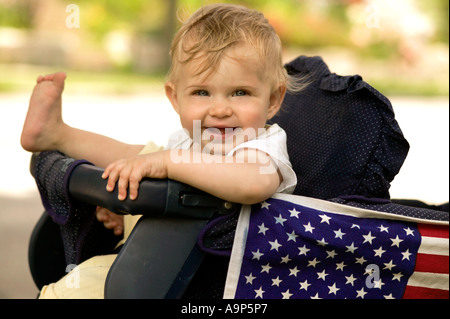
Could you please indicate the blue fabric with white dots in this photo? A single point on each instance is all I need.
(82, 236)
(342, 136)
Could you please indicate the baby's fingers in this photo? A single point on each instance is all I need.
(122, 184)
(112, 177)
(127, 174)
(134, 181)
(107, 171)
(112, 173)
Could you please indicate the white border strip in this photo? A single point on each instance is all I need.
(237, 253)
(332, 207)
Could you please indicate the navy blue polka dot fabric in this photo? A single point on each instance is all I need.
(342, 136)
(393, 208)
(82, 236)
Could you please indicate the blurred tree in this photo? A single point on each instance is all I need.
(135, 35)
(101, 16)
(18, 13)
(438, 10)
(305, 23)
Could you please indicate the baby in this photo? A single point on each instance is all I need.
(226, 81)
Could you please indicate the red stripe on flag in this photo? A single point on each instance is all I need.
(427, 230)
(424, 293)
(432, 263)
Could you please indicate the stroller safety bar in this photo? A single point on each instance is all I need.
(157, 197)
(165, 198)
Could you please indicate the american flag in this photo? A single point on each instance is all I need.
(291, 247)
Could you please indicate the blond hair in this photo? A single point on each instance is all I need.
(213, 29)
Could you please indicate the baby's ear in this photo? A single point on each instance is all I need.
(276, 99)
(171, 94)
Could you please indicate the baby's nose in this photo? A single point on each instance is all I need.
(220, 109)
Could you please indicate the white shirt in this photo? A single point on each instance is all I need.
(272, 142)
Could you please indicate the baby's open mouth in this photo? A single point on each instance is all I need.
(211, 133)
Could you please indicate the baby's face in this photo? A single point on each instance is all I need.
(229, 106)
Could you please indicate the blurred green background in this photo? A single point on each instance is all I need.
(400, 47)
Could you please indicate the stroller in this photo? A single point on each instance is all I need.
(345, 147)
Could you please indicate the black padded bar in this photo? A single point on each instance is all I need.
(87, 185)
(157, 197)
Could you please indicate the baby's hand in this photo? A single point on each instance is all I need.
(110, 220)
(129, 172)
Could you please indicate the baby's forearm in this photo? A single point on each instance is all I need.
(96, 148)
(238, 180)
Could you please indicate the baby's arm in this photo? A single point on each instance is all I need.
(245, 178)
(44, 128)
(249, 177)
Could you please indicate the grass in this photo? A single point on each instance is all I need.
(409, 87)
(22, 78)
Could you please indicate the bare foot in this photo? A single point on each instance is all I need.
(43, 120)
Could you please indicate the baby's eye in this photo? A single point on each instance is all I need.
(240, 93)
(201, 93)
